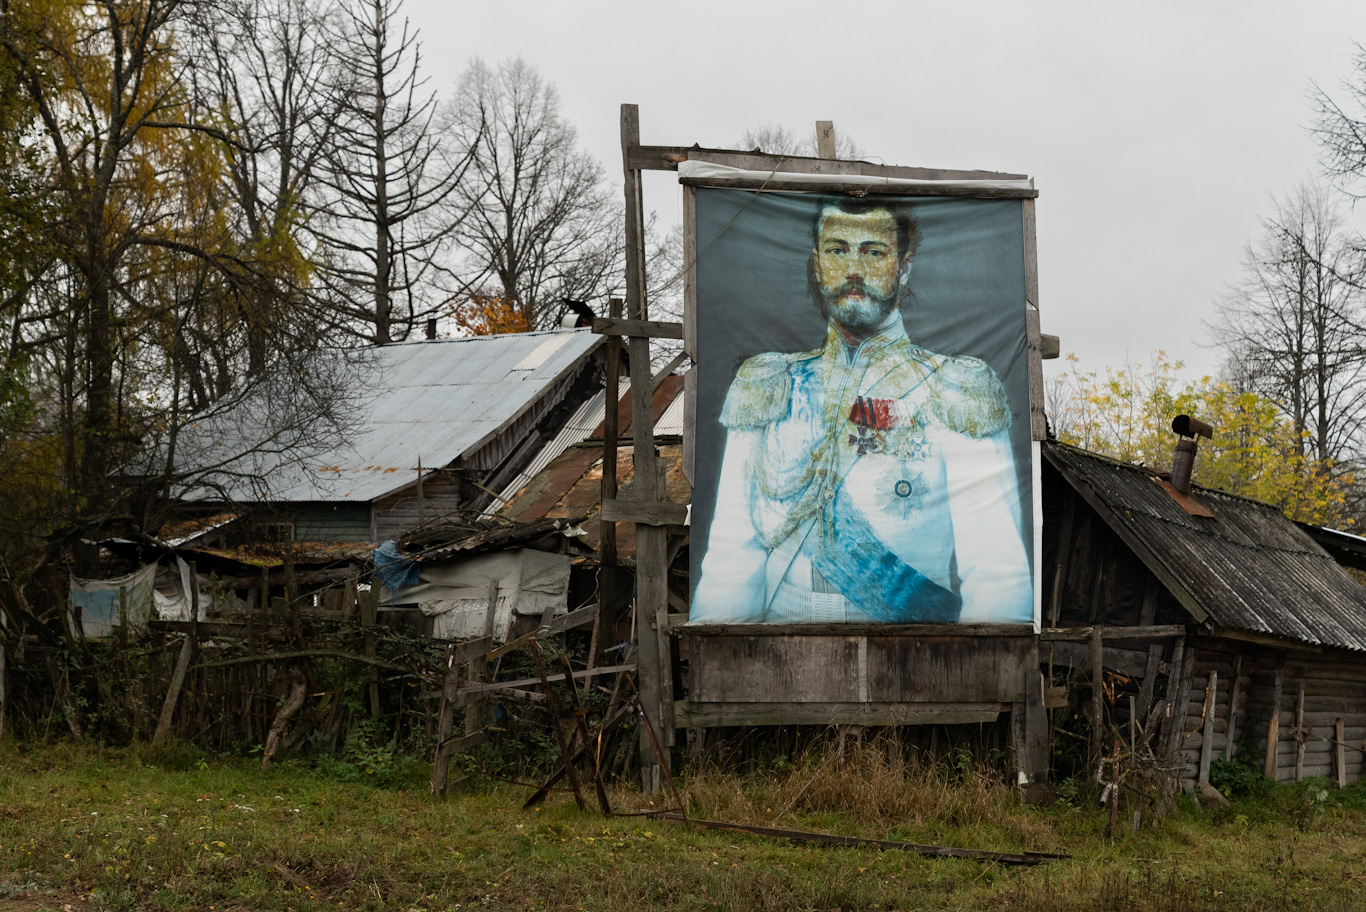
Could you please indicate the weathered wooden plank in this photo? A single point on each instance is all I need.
(1234, 699)
(1299, 735)
(841, 630)
(745, 669)
(667, 158)
(719, 715)
(1161, 631)
(445, 723)
(1095, 670)
(1038, 423)
(646, 513)
(690, 273)
(1031, 253)
(1273, 726)
(921, 669)
(941, 851)
(862, 189)
(768, 670)
(491, 686)
(1050, 346)
(1207, 737)
(1340, 753)
(690, 424)
(606, 326)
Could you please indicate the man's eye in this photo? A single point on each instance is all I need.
(875, 251)
(835, 250)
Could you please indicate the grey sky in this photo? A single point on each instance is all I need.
(1156, 132)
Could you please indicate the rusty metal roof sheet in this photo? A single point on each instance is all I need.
(570, 489)
(1249, 567)
(428, 401)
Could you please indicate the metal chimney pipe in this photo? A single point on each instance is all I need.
(431, 327)
(1183, 460)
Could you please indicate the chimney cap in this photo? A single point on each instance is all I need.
(1187, 426)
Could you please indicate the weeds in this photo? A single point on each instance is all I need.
(138, 829)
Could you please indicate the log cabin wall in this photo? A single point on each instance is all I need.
(398, 513)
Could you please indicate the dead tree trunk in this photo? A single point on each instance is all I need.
(298, 692)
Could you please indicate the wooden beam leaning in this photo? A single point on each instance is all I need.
(652, 329)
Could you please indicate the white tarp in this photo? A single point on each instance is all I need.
(455, 594)
(172, 595)
(95, 603)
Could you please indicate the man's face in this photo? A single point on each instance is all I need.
(857, 269)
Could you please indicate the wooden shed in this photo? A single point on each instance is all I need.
(1261, 656)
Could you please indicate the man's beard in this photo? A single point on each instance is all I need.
(861, 314)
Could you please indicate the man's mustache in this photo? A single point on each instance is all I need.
(852, 286)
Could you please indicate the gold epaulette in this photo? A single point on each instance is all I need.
(968, 397)
(761, 392)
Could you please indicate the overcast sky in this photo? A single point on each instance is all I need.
(1157, 133)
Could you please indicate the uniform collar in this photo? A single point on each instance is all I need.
(893, 330)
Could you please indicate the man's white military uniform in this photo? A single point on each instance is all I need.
(867, 485)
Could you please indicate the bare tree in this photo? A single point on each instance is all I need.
(543, 225)
(779, 139)
(263, 64)
(1294, 324)
(390, 204)
(1340, 127)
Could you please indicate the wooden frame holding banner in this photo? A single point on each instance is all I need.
(799, 654)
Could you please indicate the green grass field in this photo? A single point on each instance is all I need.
(84, 828)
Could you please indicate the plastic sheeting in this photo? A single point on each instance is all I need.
(172, 595)
(393, 568)
(455, 594)
(94, 604)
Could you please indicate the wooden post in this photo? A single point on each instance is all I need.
(1233, 696)
(369, 607)
(1273, 727)
(182, 665)
(1064, 552)
(1299, 734)
(608, 619)
(1339, 750)
(1114, 793)
(445, 726)
(421, 508)
(1097, 709)
(651, 541)
(825, 139)
(477, 709)
(1207, 735)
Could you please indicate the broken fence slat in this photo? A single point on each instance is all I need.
(523, 682)
(1022, 858)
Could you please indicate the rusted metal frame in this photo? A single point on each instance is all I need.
(555, 725)
(582, 726)
(1020, 858)
(1140, 548)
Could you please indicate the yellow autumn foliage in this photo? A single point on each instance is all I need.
(1256, 452)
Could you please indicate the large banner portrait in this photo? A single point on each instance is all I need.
(863, 452)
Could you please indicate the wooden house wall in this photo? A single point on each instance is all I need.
(332, 522)
(397, 514)
(1333, 683)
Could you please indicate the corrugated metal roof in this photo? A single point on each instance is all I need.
(1249, 568)
(432, 401)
